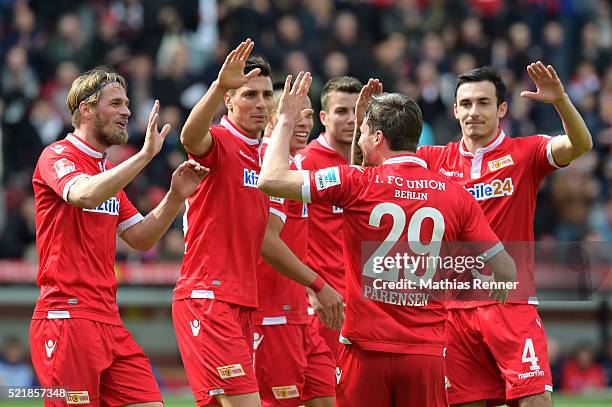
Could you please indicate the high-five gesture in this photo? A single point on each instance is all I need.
(231, 75)
(373, 87)
(154, 140)
(292, 99)
(549, 88)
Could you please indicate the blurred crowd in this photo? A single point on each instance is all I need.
(172, 50)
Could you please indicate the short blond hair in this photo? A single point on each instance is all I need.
(86, 88)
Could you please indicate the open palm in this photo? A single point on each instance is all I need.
(549, 88)
(231, 75)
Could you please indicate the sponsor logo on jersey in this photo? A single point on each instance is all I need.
(195, 327)
(277, 200)
(500, 163)
(58, 149)
(285, 392)
(50, 347)
(257, 338)
(448, 173)
(247, 156)
(230, 371)
(327, 177)
(250, 178)
(495, 189)
(109, 207)
(336, 209)
(77, 397)
(527, 375)
(63, 166)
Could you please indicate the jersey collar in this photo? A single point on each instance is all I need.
(400, 159)
(323, 141)
(225, 122)
(84, 147)
(489, 147)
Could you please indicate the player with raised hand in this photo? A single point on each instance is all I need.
(331, 148)
(77, 339)
(224, 225)
(393, 344)
(498, 354)
(304, 375)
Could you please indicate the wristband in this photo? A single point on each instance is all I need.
(317, 284)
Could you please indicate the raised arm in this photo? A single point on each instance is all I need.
(195, 135)
(276, 253)
(275, 178)
(373, 87)
(185, 179)
(89, 192)
(549, 89)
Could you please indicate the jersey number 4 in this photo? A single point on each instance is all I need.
(413, 236)
(529, 355)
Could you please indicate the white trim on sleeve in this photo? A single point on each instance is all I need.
(126, 224)
(306, 187)
(278, 213)
(551, 159)
(70, 184)
(492, 251)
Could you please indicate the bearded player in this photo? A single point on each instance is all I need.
(77, 338)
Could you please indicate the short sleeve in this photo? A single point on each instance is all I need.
(60, 168)
(543, 160)
(128, 214)
(476, 230)
(334, 185)
(215, 154)
(278, 208)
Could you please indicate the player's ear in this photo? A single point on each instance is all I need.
(502, 110)
(455, 111)
(323, 117)
(227, 99)
(379, 138)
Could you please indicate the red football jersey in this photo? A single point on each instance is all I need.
(282, 300)
(76, 246)
(400, 201)
(225, 222)
(324, 219)
(504, 176)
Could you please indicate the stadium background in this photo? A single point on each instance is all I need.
(172, 50)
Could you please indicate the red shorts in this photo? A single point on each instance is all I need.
(216, 343)
(329, 335)
(293, 364)
(94, 361)
(496, 353)
(381, 379)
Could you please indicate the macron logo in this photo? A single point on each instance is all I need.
(338, 375)
(50, 347)
(195, 327)
(250, 178)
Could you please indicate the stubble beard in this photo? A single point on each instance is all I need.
(112, 138)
